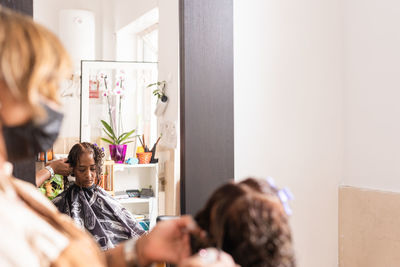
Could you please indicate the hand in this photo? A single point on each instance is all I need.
(209, 257)
(167, 242)
(61, 167)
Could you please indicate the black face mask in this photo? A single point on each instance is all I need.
(25, 141)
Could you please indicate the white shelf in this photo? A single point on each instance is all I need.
(138, 176)
(134, 200)
(121, 167)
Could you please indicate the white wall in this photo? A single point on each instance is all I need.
(127, 36)
(372, 130)
(168, 69)
(46, 12)
(288, 111)
(108, 30)
(127, 10)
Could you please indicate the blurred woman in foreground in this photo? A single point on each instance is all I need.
(32, 65)
(249, 221)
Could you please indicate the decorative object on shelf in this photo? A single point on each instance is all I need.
(107, 178)
(118, 153)
(145, 150)
(133, 193)
(146, 192)
(132, 161)
(162, 99)
(139, 149)
(153, 151)
(144, 158)
(46, 156)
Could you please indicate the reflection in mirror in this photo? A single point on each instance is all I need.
(117, 93)
(103, 34)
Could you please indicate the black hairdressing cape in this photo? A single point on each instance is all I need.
(98, 212)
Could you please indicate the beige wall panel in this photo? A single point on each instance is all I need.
(369, 228)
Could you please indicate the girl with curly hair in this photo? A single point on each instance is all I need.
(248, 221)
(89, 205)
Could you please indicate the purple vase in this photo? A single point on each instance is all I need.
(117, 153)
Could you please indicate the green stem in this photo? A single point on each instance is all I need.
(120, 116)
(109, 113)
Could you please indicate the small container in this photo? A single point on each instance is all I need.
(46, 156)
(118, 153)
(144, 158)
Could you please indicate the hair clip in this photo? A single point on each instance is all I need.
(284, 195)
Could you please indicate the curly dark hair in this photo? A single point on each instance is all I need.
(78, 149)
(248, 221)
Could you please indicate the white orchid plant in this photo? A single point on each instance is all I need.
(114, 130)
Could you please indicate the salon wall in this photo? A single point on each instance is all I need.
(127, 10)
(168, 70)
(369, 222)
(322, 82)
(46, 12)
(372, 94)
(288, 112)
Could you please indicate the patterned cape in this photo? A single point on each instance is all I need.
(94, 209)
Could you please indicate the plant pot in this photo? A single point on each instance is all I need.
(153, 153)
(118, 152)
(144, 158)
(161, 105)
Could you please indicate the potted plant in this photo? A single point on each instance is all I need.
(118, 143)
(162, 98)
(117, 139)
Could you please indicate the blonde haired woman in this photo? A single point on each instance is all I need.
(33, 232)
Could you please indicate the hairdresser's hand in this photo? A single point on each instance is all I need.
(209, 257)
(167, 242)
(61, 167)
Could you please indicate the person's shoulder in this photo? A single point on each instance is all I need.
(28, 191)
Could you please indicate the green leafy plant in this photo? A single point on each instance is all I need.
(159, 92)
(52, 187)
(114, 138)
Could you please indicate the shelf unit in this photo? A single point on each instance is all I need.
(127, 166)
(138, 176)
(134, 200)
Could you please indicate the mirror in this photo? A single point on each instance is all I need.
(112, 37)
(118, 94)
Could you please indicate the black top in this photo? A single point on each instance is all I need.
(25, 170)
